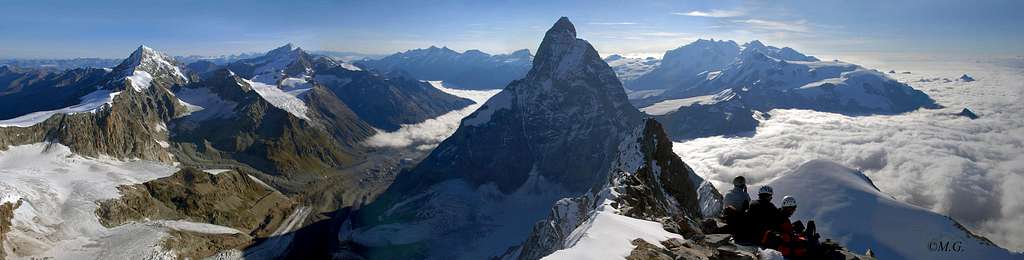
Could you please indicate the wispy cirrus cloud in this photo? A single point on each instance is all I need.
(800, 26)
(712, 13)
(612, 23)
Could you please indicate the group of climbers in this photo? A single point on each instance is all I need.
(761, 223)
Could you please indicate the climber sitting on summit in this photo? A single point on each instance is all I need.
(735, 209)
(792, 239)
(762, 215)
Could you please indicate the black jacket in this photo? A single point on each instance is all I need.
(762, 215)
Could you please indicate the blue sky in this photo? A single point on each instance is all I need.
(61, 29)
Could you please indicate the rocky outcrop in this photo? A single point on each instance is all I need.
(702, 248)
(6, 216)
(192, 245)
(968, 114)
(231, 199)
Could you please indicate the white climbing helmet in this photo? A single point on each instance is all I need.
(788, 202)
(765, 190)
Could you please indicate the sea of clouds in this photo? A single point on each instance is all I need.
(971, 170)
(428, 134)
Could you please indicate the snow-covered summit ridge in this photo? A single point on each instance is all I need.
(848, 207)
(145, 65)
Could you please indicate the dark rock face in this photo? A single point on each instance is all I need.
(663, 186)
(387, 101)
(649, 181)
(472, 69)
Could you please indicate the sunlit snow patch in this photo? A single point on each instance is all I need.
(90, 103)
(671, 105)
(281, 99)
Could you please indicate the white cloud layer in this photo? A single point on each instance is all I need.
(971, 170)
(427, 134)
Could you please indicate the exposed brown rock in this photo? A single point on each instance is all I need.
(190, 245)
(6, 214)
(229, 199)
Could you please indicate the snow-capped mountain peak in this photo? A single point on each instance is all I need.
(145, 65)
(286, 49)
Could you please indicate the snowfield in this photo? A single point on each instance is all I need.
(971, 170)
(89, 103)
(427, 134)
(671, 105)
(59, 191)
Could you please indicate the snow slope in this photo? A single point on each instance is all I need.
(90, 103)
(289, 101)
(631, 68)
(607, 235)
(848, 207)
(430, 132)
(59, 191)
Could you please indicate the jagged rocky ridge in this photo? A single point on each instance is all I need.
(472, 69)
(647, 181)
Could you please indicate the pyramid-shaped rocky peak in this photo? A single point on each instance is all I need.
(145, 67)
(570, 106)
(285, 49)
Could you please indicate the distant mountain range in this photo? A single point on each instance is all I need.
(472, 69)
(729, 87)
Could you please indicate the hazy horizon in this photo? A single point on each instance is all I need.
(112, 29)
